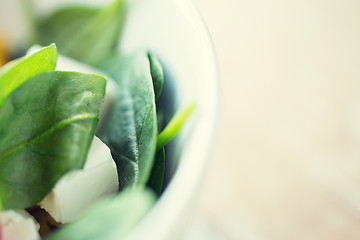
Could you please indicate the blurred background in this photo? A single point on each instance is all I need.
(285, 163)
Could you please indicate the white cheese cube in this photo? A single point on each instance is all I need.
(18, 225)
(77, 190)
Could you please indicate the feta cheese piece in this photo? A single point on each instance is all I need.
(78, 189)
(18, 225)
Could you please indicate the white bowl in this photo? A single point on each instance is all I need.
(175, 32)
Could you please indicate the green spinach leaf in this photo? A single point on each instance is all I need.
(112, 218)
(85, 34)
(63, 24)
(156, 179)
(17, 72)
(157, 74)
(46, 128)
(132, 127)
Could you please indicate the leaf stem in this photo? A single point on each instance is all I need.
(174, 126)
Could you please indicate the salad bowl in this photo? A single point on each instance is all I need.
(175, 32)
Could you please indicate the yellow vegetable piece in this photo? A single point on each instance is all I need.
(3, 55)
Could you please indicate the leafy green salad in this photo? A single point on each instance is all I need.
(55, 156)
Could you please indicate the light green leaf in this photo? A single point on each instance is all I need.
(29, 14)
(174, 126)
(61, 26)
(17, 72)
(110, 219)
(46, 128)
(85, 34)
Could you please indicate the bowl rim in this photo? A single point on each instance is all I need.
(187, 180)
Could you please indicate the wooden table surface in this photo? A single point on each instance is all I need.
(286, 161)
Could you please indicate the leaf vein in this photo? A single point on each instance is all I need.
(14, 149)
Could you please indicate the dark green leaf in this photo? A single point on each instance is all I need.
(157, 74)
(132, 128)
(17, 72)
(174, 126)
(109, 219)
(156, 180)
(46, 128)
(85, 34)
